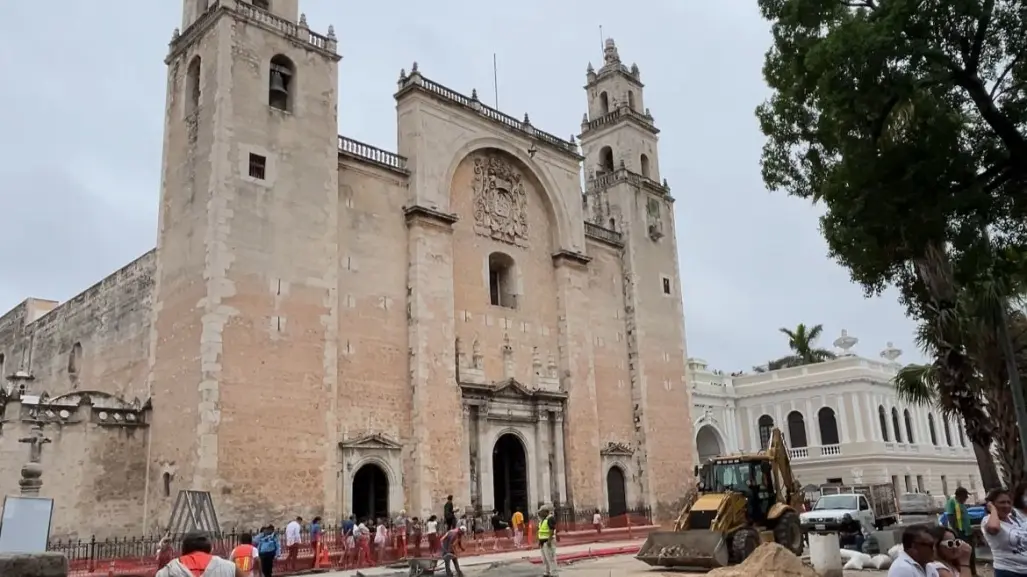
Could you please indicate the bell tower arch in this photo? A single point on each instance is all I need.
(246, 246)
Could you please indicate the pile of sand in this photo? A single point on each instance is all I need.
(768, 560)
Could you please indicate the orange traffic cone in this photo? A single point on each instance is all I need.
(321, 558)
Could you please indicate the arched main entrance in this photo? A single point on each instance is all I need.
(708, 443)
(510, 475)
(616, 492)
(370, 492)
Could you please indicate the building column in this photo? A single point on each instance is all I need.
(577, 360)
(485, 462)
(542, 458)
(875, 428)
(732, 430)
(472, 483)
(432, 363)
(843, 420)
(561, 469)
(858, 415)
(812, 426)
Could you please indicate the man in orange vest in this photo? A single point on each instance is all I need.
(245, 556)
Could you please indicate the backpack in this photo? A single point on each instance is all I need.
(242, 556)
(267, 544)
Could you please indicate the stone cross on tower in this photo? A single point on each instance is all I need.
(32, 472)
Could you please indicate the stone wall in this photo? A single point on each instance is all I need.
(374, 382)
(94, 466)
(96, 343)
(106, 327)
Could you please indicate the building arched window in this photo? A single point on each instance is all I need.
(604, 103)
(281, 83)
(766, 428)
(883, 417)
(262, 4)
(948, 431)
(962, 437)
(645, 165)
(631, 100)
(932, 430)
(502, 281)
(192, 85)
(895, 425)
(797, 430)
(909, 427)
(606, 159)
(828, 426)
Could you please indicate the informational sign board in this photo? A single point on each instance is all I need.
(25, 525)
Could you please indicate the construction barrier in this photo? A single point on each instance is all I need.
(332, 551)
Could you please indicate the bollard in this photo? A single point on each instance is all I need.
(826, 554)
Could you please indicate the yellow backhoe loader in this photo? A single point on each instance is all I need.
(738, 502)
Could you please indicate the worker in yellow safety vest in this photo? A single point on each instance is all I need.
(547, 540)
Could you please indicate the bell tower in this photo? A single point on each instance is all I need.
(618, 130)
(624, 193)
(247, 256)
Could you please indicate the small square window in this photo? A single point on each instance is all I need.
(258, 166)
(666, 285)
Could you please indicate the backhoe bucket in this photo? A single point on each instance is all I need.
(691, 549)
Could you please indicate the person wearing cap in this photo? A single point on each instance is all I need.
(196, 560)
(452, 542)
(547, 540)
(957, 518)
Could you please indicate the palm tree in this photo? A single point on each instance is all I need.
(968, 378)
(802, 342)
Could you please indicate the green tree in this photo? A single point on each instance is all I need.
(906, 120)
(969, 368)
(802, 342)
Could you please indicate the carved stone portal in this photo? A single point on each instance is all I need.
(500, 201)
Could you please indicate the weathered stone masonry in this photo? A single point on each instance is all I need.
(458, 318)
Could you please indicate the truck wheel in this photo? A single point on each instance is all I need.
(743, 542)
(788, 532)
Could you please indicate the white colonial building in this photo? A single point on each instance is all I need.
(841, 421)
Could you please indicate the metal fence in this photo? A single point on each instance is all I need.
(122, 555)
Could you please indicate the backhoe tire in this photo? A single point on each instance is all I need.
(788, 532)
(743, 542)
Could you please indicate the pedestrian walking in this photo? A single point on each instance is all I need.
(268, 549)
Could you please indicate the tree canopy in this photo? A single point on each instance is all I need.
(905, 119)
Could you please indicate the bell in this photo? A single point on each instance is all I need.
(278, 84)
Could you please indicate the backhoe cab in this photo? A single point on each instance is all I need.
(738, 501)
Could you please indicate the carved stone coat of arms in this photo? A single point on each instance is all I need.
(500, 202)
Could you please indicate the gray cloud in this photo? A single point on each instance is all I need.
(82, 124)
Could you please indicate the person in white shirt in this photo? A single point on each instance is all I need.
(381, 537)
(292, 543)
(1006, 534)
(917, 551)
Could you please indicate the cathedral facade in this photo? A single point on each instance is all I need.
(330, 328)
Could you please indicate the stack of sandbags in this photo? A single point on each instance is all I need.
(768, 560)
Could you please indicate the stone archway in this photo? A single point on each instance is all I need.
(616, 492)
(370, 492)
(708, 443)
(509, 475)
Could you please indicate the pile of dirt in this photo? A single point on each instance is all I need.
(768, 560)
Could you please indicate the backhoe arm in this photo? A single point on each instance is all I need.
(781, 467)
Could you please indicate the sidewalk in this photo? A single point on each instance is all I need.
(488, 559)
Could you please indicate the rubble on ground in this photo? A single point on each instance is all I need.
(768, 560)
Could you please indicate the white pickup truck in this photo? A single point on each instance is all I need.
(849, 509)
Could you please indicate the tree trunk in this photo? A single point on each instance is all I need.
(986, 464)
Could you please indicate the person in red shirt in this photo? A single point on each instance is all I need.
(245, 556)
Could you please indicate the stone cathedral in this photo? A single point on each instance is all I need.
(327, 328)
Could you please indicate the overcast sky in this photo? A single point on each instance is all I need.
(81, 113)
